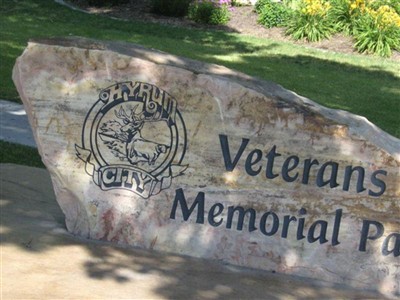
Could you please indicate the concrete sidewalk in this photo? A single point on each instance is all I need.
(40, 260)
(14, 125)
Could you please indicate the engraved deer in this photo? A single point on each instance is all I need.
(137, 148)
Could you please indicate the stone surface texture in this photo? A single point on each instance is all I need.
(35, 246)
(61, 80)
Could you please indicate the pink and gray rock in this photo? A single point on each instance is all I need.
(157, 151)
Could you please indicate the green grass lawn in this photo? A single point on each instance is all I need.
(364, 85)
(19, 154)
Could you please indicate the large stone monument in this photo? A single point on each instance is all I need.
(156, 151)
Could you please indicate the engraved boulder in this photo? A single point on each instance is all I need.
(151, 150)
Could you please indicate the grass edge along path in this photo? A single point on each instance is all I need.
(20, 154)
(364, 85)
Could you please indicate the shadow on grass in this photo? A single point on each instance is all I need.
(374, 94)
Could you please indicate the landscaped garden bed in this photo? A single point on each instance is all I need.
(345, 26)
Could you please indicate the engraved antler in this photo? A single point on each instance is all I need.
(133, 118)
(121, 114)
(137, 117)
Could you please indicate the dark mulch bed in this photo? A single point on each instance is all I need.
(243, 20)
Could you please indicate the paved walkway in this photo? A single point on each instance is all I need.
(40, 260)
(14, 125)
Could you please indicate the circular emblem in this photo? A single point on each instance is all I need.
(133, 138)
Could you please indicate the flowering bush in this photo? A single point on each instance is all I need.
(310, 21)
(394, 4)
(315, 7)
(378, 31)
(374, 24)
(357, 5)
(384, 16)
(343, 14)
(216, 12)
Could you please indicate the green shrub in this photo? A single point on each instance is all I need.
(220, 16)
(100, 3)
(342, 16)
(259, 5)
(378, 32)
(173, 8)
(311, 22)
(273, 14)
(210, 12)
(201, 12)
